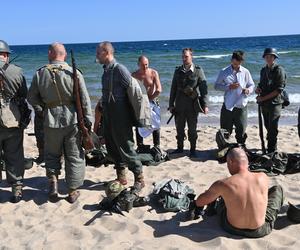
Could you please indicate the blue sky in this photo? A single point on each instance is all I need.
(42, 22)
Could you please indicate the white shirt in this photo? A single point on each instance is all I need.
(234, 98)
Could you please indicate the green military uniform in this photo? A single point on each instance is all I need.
(183, 81)
(13, 94)
(51, 90)
(275, 201)
(272, 79)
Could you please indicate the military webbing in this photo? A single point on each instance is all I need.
(53, 70)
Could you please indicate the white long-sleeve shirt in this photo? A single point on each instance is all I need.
(234, 98)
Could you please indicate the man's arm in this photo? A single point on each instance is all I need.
(34, 97)
(173, 91)
(220, 84)
(158, 88)
(210, 195)
(249, 85)
(85, 99)
(202, 85)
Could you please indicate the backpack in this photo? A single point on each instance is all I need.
(138, 99)
(173, 194)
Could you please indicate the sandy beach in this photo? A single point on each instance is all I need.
(35, 223)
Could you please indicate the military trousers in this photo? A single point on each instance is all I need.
(238, 118)
(118, 134)
(11, 144)
(39, 132)
(275, 201)
(191, 118)
(155, 135)
(67, 142)
(271, 115)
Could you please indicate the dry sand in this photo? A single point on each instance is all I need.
(34, 223)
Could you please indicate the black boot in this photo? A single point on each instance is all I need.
(193, 151)
(53, 188)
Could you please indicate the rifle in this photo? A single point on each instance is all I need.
(261, 130)
(86, 137)
(171, 117)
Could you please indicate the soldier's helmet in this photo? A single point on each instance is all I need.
(113, 189)
(4, 48)
(293, 213)
(270, 51)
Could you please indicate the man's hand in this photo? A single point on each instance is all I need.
(171, 109)
(205, 110)
(260, 99)
(258, 91)
(246, 91)
(234, 85)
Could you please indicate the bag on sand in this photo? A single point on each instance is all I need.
(173, 194)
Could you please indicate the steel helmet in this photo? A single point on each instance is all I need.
(4, 47)
(270, 51)
(293, 213)
(113, 189)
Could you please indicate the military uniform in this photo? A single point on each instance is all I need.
(51, 90)
(272, 79)
(183, 81)
(13, 94)
(118, 119)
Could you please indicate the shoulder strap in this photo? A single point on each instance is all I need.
(110, 95)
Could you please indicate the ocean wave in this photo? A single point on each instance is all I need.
(212, 56)
(288, 52)
(294, 98)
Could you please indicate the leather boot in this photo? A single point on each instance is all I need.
(139, 182)
(17, 193)
(73, 195)
(121, 176)
(53, 188)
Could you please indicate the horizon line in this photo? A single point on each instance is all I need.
(155, 40)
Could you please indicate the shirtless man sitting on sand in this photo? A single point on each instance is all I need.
(246, 207)
(150, 79)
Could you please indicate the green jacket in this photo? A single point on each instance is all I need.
(270, 80)
(194, 79)
(51, 90)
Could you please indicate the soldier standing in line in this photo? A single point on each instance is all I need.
(52, 90)
(188, 97)
(14, 118)
(272, 83)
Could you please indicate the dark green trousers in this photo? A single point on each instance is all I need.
(181, 118)
(271, 115)
(11, 143)
(275, 201)
(117, 125)
(39, 132)
(238, 118)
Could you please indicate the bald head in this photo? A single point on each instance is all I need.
(143, 63)
(57, 52)
(105, 52)
(237, 160)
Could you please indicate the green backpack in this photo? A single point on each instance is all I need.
(174, 195)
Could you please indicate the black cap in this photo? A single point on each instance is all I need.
(270, 51)
(4, 48)
(293, 213)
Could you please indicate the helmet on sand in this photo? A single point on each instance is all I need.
(4, 48)
(293, 213)
(113, 189)
(270, 51)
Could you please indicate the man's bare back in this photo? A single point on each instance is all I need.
(149, 77)
(245, 194)
(246, 197)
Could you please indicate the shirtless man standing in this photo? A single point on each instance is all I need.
(246, 207)
(150, 79)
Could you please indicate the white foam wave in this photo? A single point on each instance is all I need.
(294, 98)
(212, 56)
(287, 52)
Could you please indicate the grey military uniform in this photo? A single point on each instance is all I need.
(51, 90)
(184, 104)
(11, 137)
